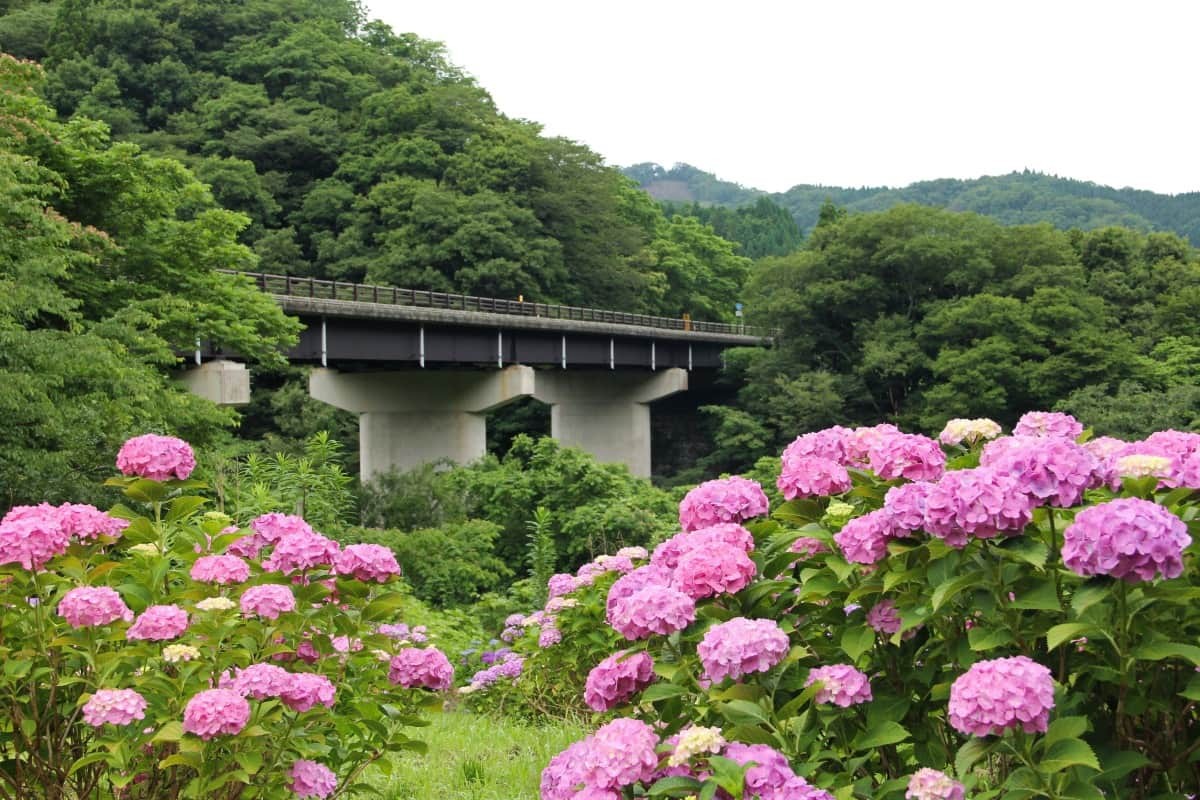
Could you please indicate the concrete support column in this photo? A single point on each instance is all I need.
(411, 418)
(226, 383)
(607, 413)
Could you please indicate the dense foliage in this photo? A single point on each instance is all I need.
(762, 228)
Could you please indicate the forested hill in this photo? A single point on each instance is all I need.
(1016, 198)
(360, 153)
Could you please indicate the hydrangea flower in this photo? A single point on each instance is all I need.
(305, 690)
(811, 476)
(222, 570)
(426, 667)
(741, 646)
(1142, 465)
(617, 679)
(1050, 469)
(561, 584)
(274, 526)
(978, 502)
(637, 553)
(1129, 538)
(993, 696)
(906, 504)
(259, 681)
(158, 458)
(668, 553)
(655, 609)
(860, 441)
(310, 779)
(829, 444)
(301, 551)
(711, 571)
(114, 707)
(216, 712)
(694, 740)
(1189, 472)
(884, 617)
(267, 601)
(864, 539)
(158, 623)
(1104, 446)
(216, 604)
(87, 606)
(633, 582)
(564, 774)
(367, 562)
(733, 499)
(907, 455)
(32, 535)
(619, 754)
(807, 546)
(1048, 424)
(842, 685)
(174, 653)
(88, 522)
(930, 784)
(549, 636)
(970, 431)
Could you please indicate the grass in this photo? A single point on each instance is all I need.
(476, 758)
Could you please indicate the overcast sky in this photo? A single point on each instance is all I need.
(772, 94)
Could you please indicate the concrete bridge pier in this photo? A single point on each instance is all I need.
(607, 413)
(410, 418)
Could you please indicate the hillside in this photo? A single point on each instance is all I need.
(1015, 198)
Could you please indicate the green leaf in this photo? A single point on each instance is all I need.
(184, 507)
(1027, 549)
(884, 733)
(250, 760)
(946, 592)
(661, 691)
(981, 639)
(1064, 728)
(677, 786)
(1043, 598)
(1089, 594)
(1118, 765)
(1068, 630)
(969, 753)
(383, 608)
(171, 732)
(1067, 753)
(743, 712)
(856, 641)
(1157, 651)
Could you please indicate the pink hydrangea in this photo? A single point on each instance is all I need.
(426, 667)
(732, 499)
(714, 570)
(1189, 472)
(811, 476)
(88, 522)
(114, 707)
(216, 712)
(274, 526)
(549, 636)
(860, 441)
(1048, 424)
(367, 562)
(741, 646)
(617, 679)
(884, 617)
(222, 570)
(267, 601)
(633, 582)
(930, 784)
(310, 779)
(907, 455)
(864, 539)
(1181, 444)
(32, 535)
(807, 546)
(158, 458)
(978, 502)
(1049, 469)
(86, 606)
(771, 777)
(564, 775)
(994, 696)
(561, 584)
(829, 444)
(669, 552)
(158, 624)
(259, 681)
(906, 504)
(246, 547)
(307, 689)
(619, 754)
(1104, 446)
(655, 609)
(1129, 538)
(301, 551)
(842, 685)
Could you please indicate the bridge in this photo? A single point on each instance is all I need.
(422, 369)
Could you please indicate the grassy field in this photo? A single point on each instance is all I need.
(476, 758)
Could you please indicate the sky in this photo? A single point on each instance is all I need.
(844, 92)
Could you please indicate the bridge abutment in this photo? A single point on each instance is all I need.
(607, 413)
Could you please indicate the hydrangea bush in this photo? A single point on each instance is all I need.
(157, 651)
(979, 616)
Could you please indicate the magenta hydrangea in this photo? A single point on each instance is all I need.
(771, 777)
(633, 582)
(714, 570)
(884, 617)
(114, 707)
(158, 458)
(619, 754)
(860, 441)
(88, 522)
(563, 776)
(88, 606)
(907, 455)
(811, 476)
(561, 584)
(864, 539)
(842, 685)
(1189, 472)
(829, 444)
(32, 535)
(1048, 424)
(301, 551)
(310, 779)
(906, 504)
(216, 712)
(669, 552)
(259, 681)
(1104, 446)
(733, 499)
(741, 646)
(307, 689)
(223, 570)
(274, 526)
(549, 636)
(267, 601)
(158, 624)
(367, 562)
(978, 502)
(1049, 469)
(807, 546)
(931, 784)
(617, 679)
(425, 667)
(655, 609)
(994, 696)
(1128, 538)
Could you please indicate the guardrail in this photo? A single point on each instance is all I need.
(294, 286)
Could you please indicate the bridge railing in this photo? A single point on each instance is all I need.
(296, 286)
